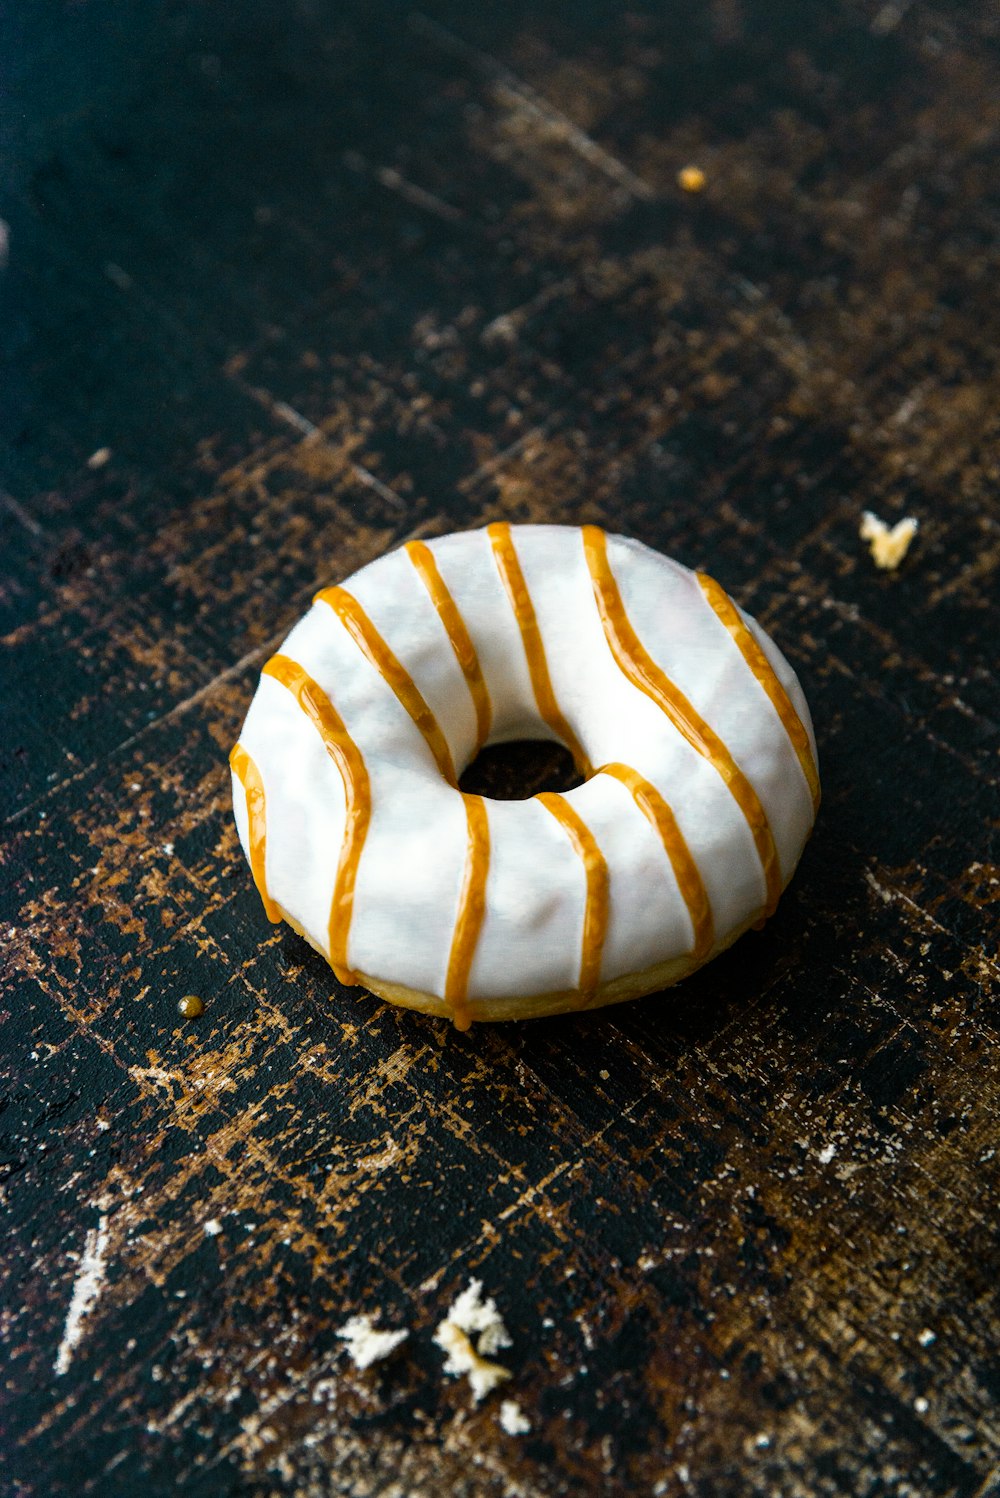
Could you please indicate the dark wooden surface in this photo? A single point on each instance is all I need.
(322, 277)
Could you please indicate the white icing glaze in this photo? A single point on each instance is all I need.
(410, 873)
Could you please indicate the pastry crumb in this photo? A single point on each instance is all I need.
(472, 1316)
(366, 1345)
(691, 179)
(888, 544)
(99, 458)
(513, 1419)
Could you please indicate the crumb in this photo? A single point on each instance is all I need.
(513, 1419)
(691, 179)
(471, 1316)
(826, 1154)
(212, 1228)
(927, 1337)
(168, 849)
(921, 1405)
(365, 1345)
(98, 459)
(462, 1357)
(889, 545)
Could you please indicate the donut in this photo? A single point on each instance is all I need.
(700, 783)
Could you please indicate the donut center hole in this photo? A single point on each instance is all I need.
(519, 770)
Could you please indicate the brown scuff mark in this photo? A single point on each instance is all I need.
(133, 1200)
(904, 887)
(981, 884)
(567, 172)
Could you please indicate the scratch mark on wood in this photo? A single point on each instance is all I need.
(15, 508)
(533, 103)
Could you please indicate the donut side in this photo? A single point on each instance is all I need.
(619, 990)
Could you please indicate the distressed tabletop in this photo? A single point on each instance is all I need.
(286, 286)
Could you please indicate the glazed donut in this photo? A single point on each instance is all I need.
(687, 723)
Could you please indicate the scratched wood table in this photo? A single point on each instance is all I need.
(286, 286)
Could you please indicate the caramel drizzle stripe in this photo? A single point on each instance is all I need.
(513, 580)
(595, 919)
(471, 910)
(247, 773)
(458, 635)
(638, 666)
(689, 881)
(357, 790)
(765, 673)
(371, 644)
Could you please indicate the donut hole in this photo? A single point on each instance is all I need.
(519, 770)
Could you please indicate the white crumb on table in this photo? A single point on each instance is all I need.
(888, 544)
(87, 1287)
(513, 1419)
(365, 1344)
(473, 1317)
(212, 1228)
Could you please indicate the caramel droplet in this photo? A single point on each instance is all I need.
(691, 179)
(191, 1006)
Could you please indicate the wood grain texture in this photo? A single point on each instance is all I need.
(327, 278)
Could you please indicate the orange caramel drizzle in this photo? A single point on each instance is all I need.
(374, 648)
(686, 871)
(595, 920)
(761, 667)
(638, 666)
(512, 577)
(471, 909)
(247, 773)
(357, 790)
(458, 635)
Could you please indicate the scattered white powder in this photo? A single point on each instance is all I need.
(513, 1419)
(889, 544)
(86, 1288)
(365, 1345)
(472, 1316)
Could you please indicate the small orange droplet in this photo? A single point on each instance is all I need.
(691, 179)
(191, 1006)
